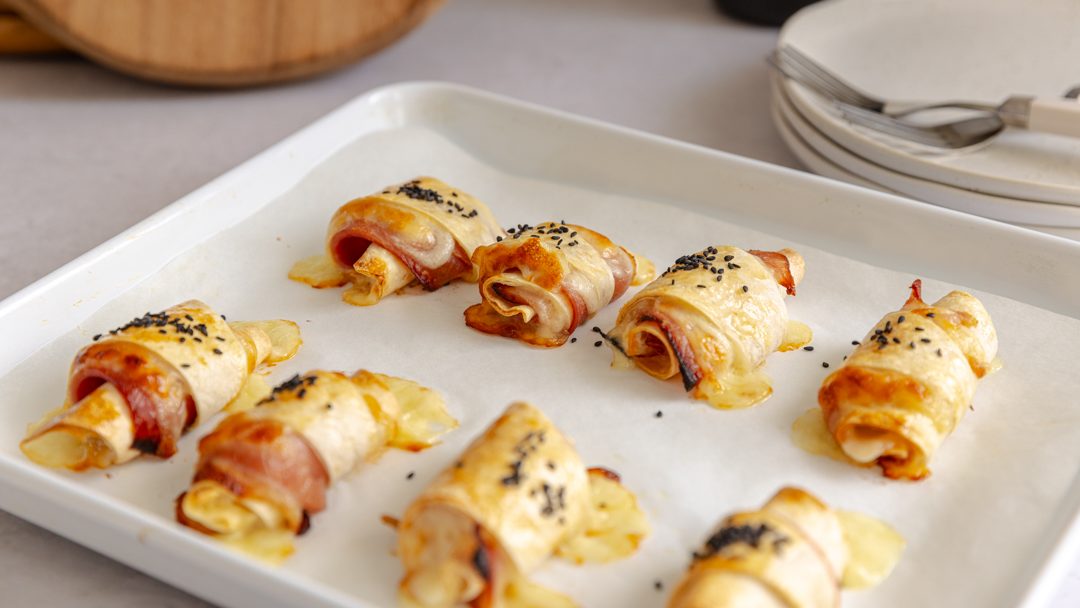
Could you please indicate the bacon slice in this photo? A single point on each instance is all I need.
(265, 459)
(161, 405)
(779, 264)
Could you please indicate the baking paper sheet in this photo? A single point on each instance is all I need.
(972, 527)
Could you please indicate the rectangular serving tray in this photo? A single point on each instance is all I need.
(526, 141)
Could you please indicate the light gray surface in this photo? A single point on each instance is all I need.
(88, 153)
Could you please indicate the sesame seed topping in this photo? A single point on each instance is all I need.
(411, 475)
(598, 343)
(825, 364)
(572, 340)
(808, 348)
(745, 289)
(659, 414)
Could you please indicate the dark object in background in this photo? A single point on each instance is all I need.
(762, 12)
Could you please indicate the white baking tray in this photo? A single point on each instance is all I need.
(994, 526)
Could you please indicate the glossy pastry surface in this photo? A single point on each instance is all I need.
(542, 282)
(422, 230)
(263, 472)
(138, 388)
(713, 318)
(518, 495)
(794, 552)
(910, 381)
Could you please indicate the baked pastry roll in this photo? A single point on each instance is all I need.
(909, 382)
(262, 472)
(713, 318)
(795, 552)
(518, 495)
(421, 230)
(543, 282)
(137, 388)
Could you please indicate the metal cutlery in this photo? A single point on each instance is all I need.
(1057, 116)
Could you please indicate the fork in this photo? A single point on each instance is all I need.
(1060, 117)
(953, 135)
(796, 65)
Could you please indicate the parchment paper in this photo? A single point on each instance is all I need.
(972, 527)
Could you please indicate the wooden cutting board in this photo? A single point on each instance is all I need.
(224, 42)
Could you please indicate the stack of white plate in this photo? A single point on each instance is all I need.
(937, 50)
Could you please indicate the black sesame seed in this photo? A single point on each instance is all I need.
(728, 258)
(572, 340)
(161, 331)
(411, 475)
(825, 364)
(809, 348)
(185, 365)
(701, 287)
(659, 586)
(659, 414)
(219, 338)
(97, 337)
(745, 289)
(924, 340)
(939, 352)
(900, 320)
(930, 314)
(598, 343)
(183, 339)
(217, 351)
(919, 329)
(855, 342)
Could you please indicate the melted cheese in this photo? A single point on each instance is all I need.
(523, 593)
(248, 525)
(614, 528)
(423, 417)
(809, 433)
(874, 548)
(319, 271)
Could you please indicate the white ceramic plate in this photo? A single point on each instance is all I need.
(823, 166)
(994, 207)
(994, 526)
(944, 50)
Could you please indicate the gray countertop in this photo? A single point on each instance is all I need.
(88, 153)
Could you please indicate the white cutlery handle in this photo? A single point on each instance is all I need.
(1058, 116)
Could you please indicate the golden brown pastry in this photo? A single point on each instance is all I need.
(543, 282)
(909, 382)
(263, 472)
(137, 388)
(712, 318)
(795, 552)
(421, 230)
(518, 495)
